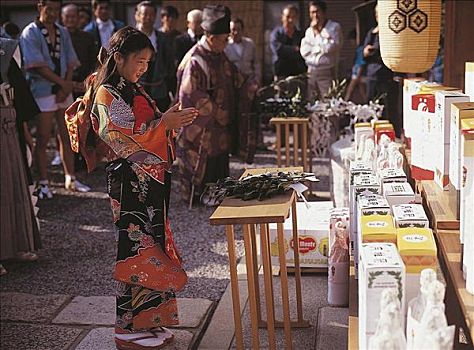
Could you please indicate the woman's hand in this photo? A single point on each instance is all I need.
(175, 118)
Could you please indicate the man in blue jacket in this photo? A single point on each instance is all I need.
(102, 25)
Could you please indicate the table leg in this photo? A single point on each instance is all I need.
(284, 287)
(304, 147)
(267, 276)
(299, 305)
(251, 286)
(253, 238)
(287, 144)
(278, 145)
(235, 287)
(296, 146)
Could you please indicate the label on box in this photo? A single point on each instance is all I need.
(417, 248)
(410, 215)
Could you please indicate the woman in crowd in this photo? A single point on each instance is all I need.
(138, 139)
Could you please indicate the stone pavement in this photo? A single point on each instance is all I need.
(59, 322)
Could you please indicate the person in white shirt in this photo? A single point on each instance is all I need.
(241, 51)
(320, 49)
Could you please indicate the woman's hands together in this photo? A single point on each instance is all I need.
(175, 117)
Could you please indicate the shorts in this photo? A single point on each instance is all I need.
(49, 104)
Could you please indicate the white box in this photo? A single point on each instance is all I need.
(392, 175)
(411, 86)
(459, 111)
(467, 201)
(440, 141)
(398, 193)
(410, 215)
(313, 234)
(381, 267)
(469, 80)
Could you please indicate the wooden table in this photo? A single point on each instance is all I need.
(459, 303)
(299, 128)
(248, 214)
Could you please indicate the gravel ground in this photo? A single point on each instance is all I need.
(78, 241)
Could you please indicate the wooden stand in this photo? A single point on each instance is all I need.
(299, 128)
(248, 214)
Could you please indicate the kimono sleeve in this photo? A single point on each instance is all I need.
(113, 121)
(71, 57)
(30, 44)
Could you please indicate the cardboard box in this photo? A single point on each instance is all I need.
(377, 228)
(372, 204)
(467, 201)
(380, 268)
(459, 111)
(411, 86)
(398, 193)
(410, 215)
(384, 129)
(392, 175)
(313, 234)
(469, 80)
(417, 248)
(363, 184)
(440, 140)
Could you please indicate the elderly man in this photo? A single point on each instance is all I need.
(210, 82)
(320, 49)
(155, 79)
(84, 46)
(241, 51)
(103, 26)
(285, 43)
(186, 41)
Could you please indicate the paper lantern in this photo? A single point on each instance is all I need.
(409, 34)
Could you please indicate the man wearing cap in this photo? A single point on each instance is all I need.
(208, 81)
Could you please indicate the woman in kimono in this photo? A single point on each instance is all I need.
(139, 143)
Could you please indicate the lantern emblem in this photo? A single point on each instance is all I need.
(418, 21)
(407, 11)
(397, 21)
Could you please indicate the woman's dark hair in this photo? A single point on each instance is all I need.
(238, 20)
(125, 41)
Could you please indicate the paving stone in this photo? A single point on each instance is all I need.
(88, 310)
(103, 339)
(333, 323)
(30, 308)
(37, 337)
(192, 311)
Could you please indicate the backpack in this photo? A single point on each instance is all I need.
(83, 130)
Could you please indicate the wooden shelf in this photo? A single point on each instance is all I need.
(457, 297)
(441, 205)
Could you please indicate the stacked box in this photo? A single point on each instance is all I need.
(410, 215)
(417, 248)
(459, 111)
(440, 140)
(380, 268)
(392, 175)
(383, 129)
(338, 261)
(469, 80)
(467, 201)
(356, 168)
(313, 235)
(377, 228)
(363, 184)
(372, 204)
(398, 193)
(411, 86)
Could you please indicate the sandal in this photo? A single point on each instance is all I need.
(142, 341)
(3, 271)
(26, 256)
(163, 332)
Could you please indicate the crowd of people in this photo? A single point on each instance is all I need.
(150, 97)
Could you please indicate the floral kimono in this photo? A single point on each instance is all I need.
(148, 268)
